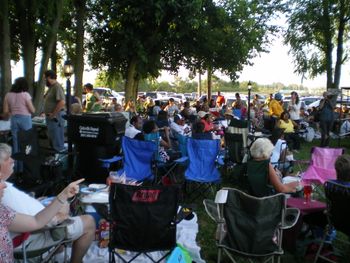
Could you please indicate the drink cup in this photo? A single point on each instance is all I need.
(307, 192)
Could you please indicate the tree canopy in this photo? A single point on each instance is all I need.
(317, 33)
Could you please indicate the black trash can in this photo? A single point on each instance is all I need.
(95, 136)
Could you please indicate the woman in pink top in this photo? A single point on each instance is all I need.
(18, 105)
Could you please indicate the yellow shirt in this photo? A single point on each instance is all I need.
(275, 108)
(287, 126)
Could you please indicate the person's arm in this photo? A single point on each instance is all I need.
(59, 106)
(167, 137)
(277, 184)
(278, 124)
(26, 223)
(6, 109)
(30, 106)
(295, 125)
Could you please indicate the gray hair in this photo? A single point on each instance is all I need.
(5, 152)
(261, 148)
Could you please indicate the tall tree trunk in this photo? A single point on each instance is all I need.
(136, 86)
(329, 45)
(199, 87)
(50, 42)
(209, 84)
(129, 84)
(5, 51)
(80, 6)
(26, 15)
(54, 56)
(340, 41)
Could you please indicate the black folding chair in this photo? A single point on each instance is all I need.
(257, 174)
(248, 226)
(338, 198)
(143, 220)
(39, 175)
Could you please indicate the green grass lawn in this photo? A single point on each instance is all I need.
(207, 227)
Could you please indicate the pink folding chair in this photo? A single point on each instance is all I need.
(321, 166)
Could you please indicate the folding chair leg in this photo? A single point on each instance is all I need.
(320, 249)
(219, 255)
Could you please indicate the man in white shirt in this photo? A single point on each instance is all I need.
(178, 126)
(134, 128)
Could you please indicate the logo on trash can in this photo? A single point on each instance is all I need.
(88, 131)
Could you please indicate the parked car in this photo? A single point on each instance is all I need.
(205, 96)
(309, 100)
(231, 99)
(188, 96)
(151, 94)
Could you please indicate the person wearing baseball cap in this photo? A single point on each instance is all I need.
(275, 106)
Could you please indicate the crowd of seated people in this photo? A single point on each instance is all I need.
(162, 123)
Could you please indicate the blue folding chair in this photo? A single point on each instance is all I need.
(138, 159)
(202, 170)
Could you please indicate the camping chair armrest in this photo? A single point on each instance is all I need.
(106, 163)
(63, 224)
(212, 210)
(290, 218)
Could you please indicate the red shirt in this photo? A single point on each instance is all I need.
(208, 126)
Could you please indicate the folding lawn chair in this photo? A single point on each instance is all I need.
(143, 220)
(234, 145)
(257, 175)
(338, 198)
(239, 127)
(164, 168)
(202, 170)
(33, 178)
(138, 159)
(44, 253)
(321, 166)
(283, 164)
(248, 226)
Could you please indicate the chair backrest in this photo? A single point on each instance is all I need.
(257, 173)
(28, 144)
(235, 147)
(138, 157)
(143, 217)
(338, 199)
(252, 222)
(321, 167)
(239, 127)
(182, 141)
(154, 137)
(202, 155)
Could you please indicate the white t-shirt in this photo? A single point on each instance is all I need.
(20, 201)
(131, 132)
(279, 147)
(294, 111)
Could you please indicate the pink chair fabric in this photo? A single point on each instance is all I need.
(321, 167)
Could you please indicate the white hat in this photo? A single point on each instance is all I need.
(202, 114)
